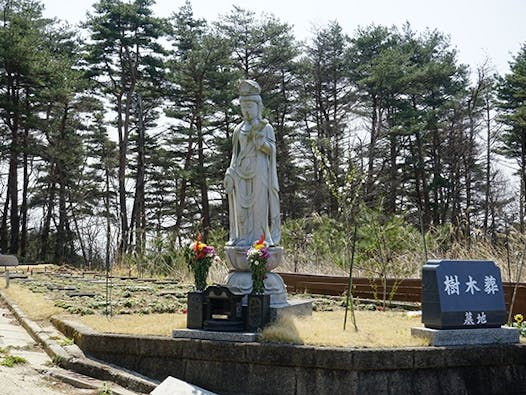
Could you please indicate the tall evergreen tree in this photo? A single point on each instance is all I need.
(512, 102)
(124, 57)
(375, 67)
(264, 49)
(326, 100)
(199, 58)
(60, 146)
(21, 38)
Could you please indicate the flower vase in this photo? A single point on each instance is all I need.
(200, 275)
(195, 310)
(258, 282)
(258, 311)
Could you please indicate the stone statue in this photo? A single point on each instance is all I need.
(251, 181)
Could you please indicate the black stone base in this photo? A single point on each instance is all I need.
(195, 310)
(223, 325)
(258, 312)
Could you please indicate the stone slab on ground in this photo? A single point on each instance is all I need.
(215, 335)
(172, 386)
(463, 337)
(8, 260)
(297, 307)
(82, 381)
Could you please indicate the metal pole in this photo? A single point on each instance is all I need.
(349, 285)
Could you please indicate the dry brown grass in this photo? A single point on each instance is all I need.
(375, 329)
(151, 324)
(37, 307)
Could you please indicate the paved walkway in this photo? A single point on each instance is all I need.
(31, 378)
(38, 376)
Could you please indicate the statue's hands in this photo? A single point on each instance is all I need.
(228, 183)
(262, 145)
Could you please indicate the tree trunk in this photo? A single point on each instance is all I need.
(138, 218)
(523, 179)
(13, 193)
(108, 221)
(488, 167)
(25, 192)
(3, 224)
(13, 123)
(44, 239)
(123, 149)
(371, 154)
(421, 183)
(79, 236)
(393, 171)
(181, 193)
(205, 206)
(61, 239)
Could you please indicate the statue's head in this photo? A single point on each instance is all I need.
(249, 91)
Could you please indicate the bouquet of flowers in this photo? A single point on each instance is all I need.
(199, 258)
(520, 324)
(257, 257)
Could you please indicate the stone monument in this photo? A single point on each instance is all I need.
(6, 261)
(251, 183)
(463, 303)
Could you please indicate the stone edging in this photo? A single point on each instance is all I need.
(269, 368)
(76, 361)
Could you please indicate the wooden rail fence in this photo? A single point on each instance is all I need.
(397, 290)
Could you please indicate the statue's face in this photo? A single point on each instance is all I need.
(249, 110)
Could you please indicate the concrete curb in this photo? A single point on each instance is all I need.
(75, 360)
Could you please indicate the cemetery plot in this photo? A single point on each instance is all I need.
(89, 295)
(85, 294)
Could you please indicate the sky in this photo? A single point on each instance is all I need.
(478, 29)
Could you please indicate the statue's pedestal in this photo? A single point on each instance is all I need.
(274, 286)
(237, 257)
(241, 277)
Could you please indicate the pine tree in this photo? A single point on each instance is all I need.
(197, 61)
(326, 101)
(264, 49)
(512, 99)
(21, 38)
(125, 58)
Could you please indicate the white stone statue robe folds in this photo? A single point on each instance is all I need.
(254, 200)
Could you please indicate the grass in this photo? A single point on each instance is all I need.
(325, 328)
(12, 360)
(36, 307)
(151, 324)
(66, 342)
(375, 329)
(105, 390)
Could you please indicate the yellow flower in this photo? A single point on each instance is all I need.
(198, 246)
(518, 318)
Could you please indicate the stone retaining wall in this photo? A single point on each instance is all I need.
(258, 368)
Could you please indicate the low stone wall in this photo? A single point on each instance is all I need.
(259, 368)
